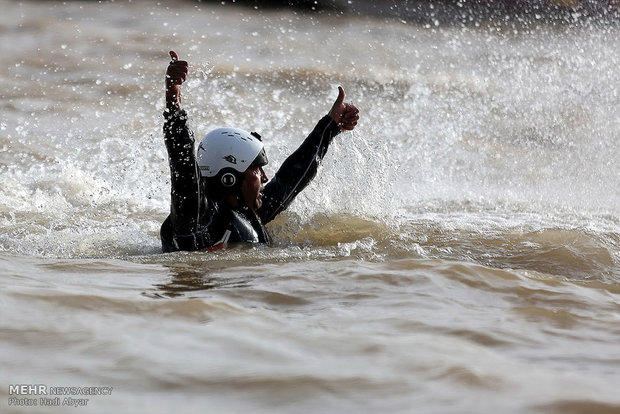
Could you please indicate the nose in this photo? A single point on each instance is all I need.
(263, 176)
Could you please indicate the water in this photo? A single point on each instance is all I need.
(458, 252)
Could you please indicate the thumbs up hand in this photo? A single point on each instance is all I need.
(175, 76)
(344, 114)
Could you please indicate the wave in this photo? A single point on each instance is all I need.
(581, 248)
(483, 238)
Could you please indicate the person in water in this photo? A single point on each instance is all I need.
(220, 194)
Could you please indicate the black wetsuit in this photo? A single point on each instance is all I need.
(197, 222)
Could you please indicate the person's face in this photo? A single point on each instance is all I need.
(252, 185)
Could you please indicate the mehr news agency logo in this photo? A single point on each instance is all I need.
(30, 395)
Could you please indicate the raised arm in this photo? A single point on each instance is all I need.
(300, 167)
(184, 176)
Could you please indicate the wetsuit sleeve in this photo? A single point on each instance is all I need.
(297, 170)
(184, 179)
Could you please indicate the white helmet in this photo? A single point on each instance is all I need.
(226, 153)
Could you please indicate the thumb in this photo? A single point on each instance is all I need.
(340, 99)
(174, 56)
